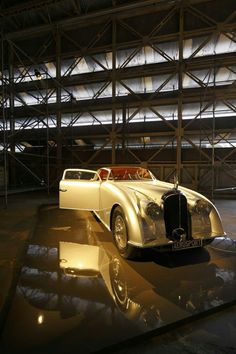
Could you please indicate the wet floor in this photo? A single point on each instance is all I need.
(76, 294)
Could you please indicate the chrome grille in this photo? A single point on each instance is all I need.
(176, 216)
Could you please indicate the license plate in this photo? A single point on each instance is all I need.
(181, 245)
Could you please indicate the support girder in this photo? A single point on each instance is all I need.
(140, 100)
(122, 11)
(133, 25)
(201, 63)
(224, 27)
(151, 129)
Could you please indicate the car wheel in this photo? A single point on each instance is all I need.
(121, 235)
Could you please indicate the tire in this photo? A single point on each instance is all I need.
(121, 235)
(119, 284)
(207, 242)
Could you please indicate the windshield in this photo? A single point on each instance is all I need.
(130, 173)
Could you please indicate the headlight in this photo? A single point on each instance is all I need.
(152, 210)
(150, 217)
(148, 207)
(202, 207)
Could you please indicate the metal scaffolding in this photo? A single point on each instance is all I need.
(130, 82)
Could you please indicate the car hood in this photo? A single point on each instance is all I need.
(156, 189)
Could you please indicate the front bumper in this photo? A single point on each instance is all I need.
(168, 245)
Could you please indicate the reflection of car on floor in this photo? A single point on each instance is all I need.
(148, 302)
(140, 210)
(72, 277)
(77, 279)
(85, 261)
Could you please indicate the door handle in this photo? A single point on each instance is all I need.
(63, 190)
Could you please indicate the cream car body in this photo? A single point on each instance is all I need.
(153, 213)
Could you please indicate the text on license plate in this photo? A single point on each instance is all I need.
(181, 245)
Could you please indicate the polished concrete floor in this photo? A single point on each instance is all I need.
(71, 292)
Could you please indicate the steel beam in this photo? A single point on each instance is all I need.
(108, 140)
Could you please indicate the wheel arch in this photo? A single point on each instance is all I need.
(120, 233)
(112, 212)
(132, 221)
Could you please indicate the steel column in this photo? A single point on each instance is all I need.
(179, 132)
(58, 98)
(113, 132)
(5, 157)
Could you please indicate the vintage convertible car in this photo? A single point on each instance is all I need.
(140, 210)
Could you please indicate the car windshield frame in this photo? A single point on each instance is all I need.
(128, 173)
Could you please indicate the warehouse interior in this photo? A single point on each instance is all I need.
(92, 83)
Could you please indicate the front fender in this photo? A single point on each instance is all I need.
(113, 196)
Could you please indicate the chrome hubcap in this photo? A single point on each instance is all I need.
(120, 232)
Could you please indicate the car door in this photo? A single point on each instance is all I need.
(80, 189)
